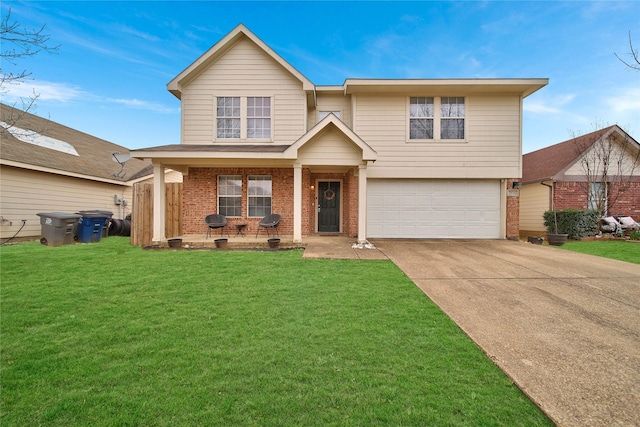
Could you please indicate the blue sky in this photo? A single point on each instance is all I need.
(109, 76)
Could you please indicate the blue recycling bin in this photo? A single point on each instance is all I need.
(91, 224)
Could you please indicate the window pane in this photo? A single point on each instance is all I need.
(421, 129)
(421, 106)
(258, 117)
(452, 129)
(258, 128)
(259, 195)
(230, 195)
(228, 128)
(452, 106)
(228, 117)
(323, 114)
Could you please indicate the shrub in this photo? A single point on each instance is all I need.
(574, 222)
(635, 235)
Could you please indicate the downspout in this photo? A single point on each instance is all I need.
(553, 207)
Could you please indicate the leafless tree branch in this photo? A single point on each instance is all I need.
(635, 64)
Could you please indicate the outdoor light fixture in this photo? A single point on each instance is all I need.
(516, 185)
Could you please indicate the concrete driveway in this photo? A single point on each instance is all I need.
(564, 326)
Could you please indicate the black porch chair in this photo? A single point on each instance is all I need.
(216, 221)
(269, 221)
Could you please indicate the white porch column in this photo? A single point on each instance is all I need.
(158, 203)
(362, 204)
(297, 203)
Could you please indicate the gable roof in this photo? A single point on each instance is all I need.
(218, 49)
(58, 149)
(550, 162)
(368, 153)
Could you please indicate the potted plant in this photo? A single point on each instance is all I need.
(553, 236)
(175, 243)
(273, 243)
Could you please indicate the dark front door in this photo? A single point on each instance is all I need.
(328, 207)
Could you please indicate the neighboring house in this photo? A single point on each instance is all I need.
(48, 167)
(556, 177)
(370, 158)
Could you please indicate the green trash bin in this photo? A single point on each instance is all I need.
(58, 228)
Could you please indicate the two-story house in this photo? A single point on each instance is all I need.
(370, 158)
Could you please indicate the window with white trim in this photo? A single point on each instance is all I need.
(259, 195)
(259, 117)
(421, 117)
(228, 117)
(452, 117)
(434, 118)
(230, 195)
(242, 117)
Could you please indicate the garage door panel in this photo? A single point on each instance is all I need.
(433, 208)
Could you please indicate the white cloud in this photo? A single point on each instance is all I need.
(627, 101)
(548, 106)
(46, 91)
(65, 93)
(143, 105)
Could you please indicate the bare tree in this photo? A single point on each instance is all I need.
(635, 64)
(19, 43)
(609, 161)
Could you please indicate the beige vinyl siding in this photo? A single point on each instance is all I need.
(491, 148)
(330, 148)
(243, 70)
(534, 201)
(628, 167)
(331, 102)
(26, 193)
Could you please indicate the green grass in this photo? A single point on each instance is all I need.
(615, 249)
(109, 334)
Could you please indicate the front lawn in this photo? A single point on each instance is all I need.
(108, 334)
(615, 249)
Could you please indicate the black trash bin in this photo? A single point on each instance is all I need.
(92, 225)
(58, 228)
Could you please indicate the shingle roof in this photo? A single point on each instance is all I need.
(94, 159)
(547, 162)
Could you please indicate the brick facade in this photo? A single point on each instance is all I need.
(570, 194)
(513, 214)
(200, 191)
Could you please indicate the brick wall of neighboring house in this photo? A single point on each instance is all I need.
(627, 202)
(570, 195)
(513, 213)
(574, 195)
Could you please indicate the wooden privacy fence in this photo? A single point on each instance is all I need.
(142, 212)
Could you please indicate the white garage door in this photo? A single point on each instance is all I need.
(403, 208)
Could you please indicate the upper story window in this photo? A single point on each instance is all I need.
(421, 118)
(228, 117)
(436, 118)
(259, 117)
(243, 117)
(323, 114)
(452, 117)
